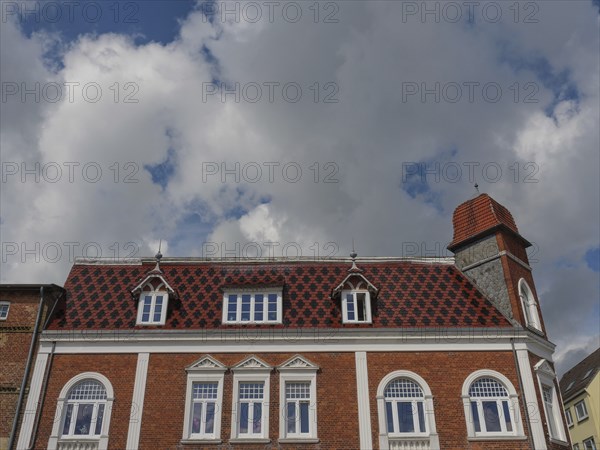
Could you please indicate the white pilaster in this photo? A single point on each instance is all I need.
(137, 402)
(33, 400)
(531, 403)
(364, 409)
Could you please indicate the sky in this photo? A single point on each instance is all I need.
(295, 128)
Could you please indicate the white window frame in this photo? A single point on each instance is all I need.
(251, 370)
(575, 446)
(354, 292)
(159, 291)
(583, 417)
(569, 417)
(554, 422)
(298, 369)
(591, 441)
(513, 408)
(206, 370)
(428, 409)
(253, 292)
(7, 304)
(529, 305)
(61, 409)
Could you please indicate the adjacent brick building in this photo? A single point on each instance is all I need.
(24, 308)
(399, 353)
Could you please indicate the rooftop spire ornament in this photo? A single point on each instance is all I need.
(353, 255)
(158, 257)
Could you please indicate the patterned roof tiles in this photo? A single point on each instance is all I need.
(411, 294)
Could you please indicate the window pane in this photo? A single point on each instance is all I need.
(390, 417)
(475, 414)
(232, 308)
(304, 417)
(243, 417)
(361, 307)
(246, 307)
(84, 418)
(257, 419)
(258, 307)
(272, 306)
(507, 416)
(210, 418)
(291, 417)
(350, 306)
(421, 417)
(99, 420)
(68, 415)
(158, 308)
(491, 416)
(405, 417)
(196, 417)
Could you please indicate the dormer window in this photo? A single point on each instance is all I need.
(152, 307)
(244, 306)
(356, 306)
(355, 293)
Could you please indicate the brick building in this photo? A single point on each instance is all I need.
(24, 309)
(348, 353)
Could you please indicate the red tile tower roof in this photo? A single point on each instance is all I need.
(479, 216)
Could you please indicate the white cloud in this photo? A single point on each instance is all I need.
(368, 137)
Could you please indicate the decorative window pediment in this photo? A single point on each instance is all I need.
(206, 363)
(298, 362)
(252, 363)
(545, 368)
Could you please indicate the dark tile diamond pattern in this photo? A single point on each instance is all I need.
(411, 294)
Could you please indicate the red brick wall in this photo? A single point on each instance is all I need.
(445, 373)
(15, 338)
(337, 409)
(166, 384)
(119, 369)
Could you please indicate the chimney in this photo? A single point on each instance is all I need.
(489, 250)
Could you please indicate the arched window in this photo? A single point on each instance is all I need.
(491, 405)
(405, 407)
(529, 306)
(83, 411)
(85, 407)
(404, 410)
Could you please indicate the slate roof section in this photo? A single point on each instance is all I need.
(577, 374)
(411, 294)
(478, 215)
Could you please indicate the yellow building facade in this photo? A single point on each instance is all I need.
(580, 388)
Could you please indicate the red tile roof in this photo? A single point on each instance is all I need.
(411, 294)
(478, 215)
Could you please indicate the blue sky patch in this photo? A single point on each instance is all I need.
(163, 172)
(592, 259)
(146, 21)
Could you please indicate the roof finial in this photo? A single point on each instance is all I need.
(158, 256)
(353, 255)
(477, 188)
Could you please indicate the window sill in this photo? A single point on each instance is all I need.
(299, 441)
(200, 441)
(498, 437)
(583, 419)
(559, 442)
(249, 441)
